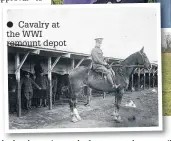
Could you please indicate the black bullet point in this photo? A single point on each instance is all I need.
(9, 24)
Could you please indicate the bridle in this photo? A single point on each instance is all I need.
(143, 59)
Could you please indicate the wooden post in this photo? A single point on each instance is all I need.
(149, 78)
(139, 72)
(156, 82)
(144, 78)
(104, 95)
(132, 81)
(72, 64)
(17, 63)
(50, 83)
(153, 79)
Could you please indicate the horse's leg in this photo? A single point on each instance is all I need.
(118, 101)
(89, 94)
(77, 79)
(73, 116)
(115, 113)
(74, 112)
(119, 104)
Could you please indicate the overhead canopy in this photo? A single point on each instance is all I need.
(52, 52)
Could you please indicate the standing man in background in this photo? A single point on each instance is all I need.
(42, 81)
(27, 85)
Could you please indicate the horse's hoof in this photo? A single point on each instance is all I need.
(132, 118)
(118, 119)
(79, 118)
(87, 104)
(74, 119)
(115, 118)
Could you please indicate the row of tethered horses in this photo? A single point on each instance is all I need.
(140, 79)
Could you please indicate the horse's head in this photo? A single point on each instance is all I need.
(142, 59)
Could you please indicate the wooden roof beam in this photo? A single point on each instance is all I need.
(37, 51)
(22, 62)
(84, 58)
(79, 63)
(54, 64)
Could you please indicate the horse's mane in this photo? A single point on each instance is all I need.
(121, 70)
(128, 58)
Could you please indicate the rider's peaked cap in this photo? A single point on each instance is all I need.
(98, 39)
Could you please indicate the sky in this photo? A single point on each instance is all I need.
(125, 29)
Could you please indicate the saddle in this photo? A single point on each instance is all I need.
(97, 73)
(100, 74)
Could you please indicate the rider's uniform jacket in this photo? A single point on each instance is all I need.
(97, 57)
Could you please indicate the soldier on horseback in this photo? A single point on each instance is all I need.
(100, 65)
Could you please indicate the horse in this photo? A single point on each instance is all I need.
(84, 76)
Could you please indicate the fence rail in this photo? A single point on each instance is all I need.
(129, 66)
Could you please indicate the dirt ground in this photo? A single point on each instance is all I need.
(99, 114)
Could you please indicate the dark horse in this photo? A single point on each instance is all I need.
(84, 76)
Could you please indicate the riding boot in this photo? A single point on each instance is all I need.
(110, 80)
(113, 75)
(113, 78)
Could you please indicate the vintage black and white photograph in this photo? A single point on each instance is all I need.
(83, 68)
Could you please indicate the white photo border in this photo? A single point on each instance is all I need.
(77, 130)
